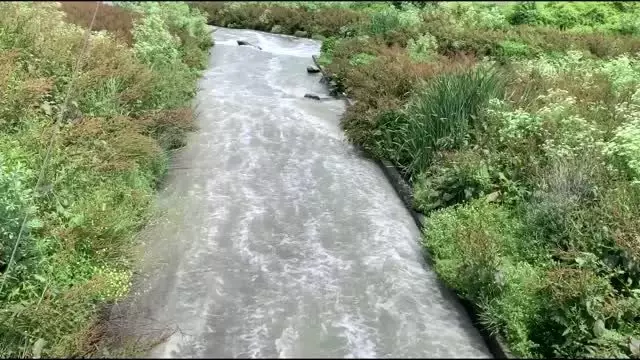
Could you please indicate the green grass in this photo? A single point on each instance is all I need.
(129, 107)
(440, 116)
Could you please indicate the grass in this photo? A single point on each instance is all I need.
(127, 109)
(518, 126)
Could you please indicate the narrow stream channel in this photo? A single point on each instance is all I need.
(277, 238)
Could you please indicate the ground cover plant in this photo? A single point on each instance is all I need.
(128, 107)
(518, 126)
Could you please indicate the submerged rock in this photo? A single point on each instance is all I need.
(312, 96)
(242, 42)
(312, 70)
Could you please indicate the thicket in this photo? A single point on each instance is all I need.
(518, 127)
(128, 107)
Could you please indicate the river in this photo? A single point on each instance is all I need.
(276, 238)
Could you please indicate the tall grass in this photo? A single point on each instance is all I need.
(114, 19)
(108, 154)
(440, 116)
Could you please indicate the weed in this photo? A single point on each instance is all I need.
(109, 153)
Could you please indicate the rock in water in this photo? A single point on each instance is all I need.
(312, 70)
(312, 96)
(277, 29)
(300, 33)
(242, 42)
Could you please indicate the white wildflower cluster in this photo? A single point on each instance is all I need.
(476, 15)
(623, 149)
(623, 71)
(560, 133)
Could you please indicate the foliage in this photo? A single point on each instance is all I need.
(108, 153)
(422, 49)
(440, 116)
(113, 19)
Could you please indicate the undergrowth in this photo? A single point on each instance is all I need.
(129, 105)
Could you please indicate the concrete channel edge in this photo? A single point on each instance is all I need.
(495, 343)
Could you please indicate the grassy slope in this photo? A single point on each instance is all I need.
(518, 126)
(130, 105)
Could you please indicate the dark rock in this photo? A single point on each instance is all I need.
(242, 42)
(324, 80)
(312, 96)
(312, 70)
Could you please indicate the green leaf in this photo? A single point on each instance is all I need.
(39, 278)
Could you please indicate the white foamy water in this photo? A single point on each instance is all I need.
(281, 240)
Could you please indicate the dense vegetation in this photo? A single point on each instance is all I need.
(519, 128)
(128, 107)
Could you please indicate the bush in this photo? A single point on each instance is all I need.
(115, 20)
(105, 163)
(454, 179)
(525, 13)
(440, 116)
(423, 49)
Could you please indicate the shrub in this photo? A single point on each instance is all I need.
(423, 49)
(440, 116)
(624, 149)
(454, 179)
(104, 165)
(115, 20)
(361, 59)
(525, 13)
(384, 22)
(513, 49)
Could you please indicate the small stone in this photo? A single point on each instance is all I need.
(312, 70)
(312, 96)
(300, 33)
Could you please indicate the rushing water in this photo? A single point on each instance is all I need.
(278, 239)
